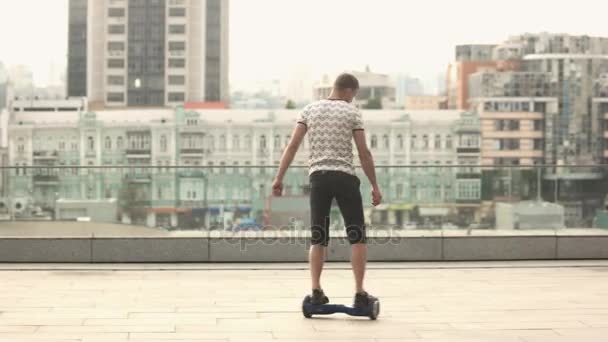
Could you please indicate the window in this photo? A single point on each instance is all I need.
(119, 143)
(108, 143)
(438, 141)
(247, 141)
(508, 144)
(413, 142)
(115, 63)
(20, 145)
(539, 125)
(222, 142)
(178, 63)
(177, 46)
(262, 142)
(469, 141)
(448, 142)
(91, 143)
(116, 46)
(236, 142)
(425, 142)
(211, 141)
(277, 142)
(116, 29)
(116, 80)
(177, 97)
(399, 191)
(469, 189)
(507, 125)
(539, 144)
(163, 143)
(177, 29)
(116, 12)
(386, 142)
(177, 12)
(374, 142)
(177, 80)
(116, 97)
(400, 141)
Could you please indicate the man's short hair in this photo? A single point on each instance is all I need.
(346, 81)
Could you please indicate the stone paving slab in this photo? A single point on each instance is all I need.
(455, 302)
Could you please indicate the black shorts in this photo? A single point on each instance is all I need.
(325, 186)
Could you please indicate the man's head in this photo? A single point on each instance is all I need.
(346, 87)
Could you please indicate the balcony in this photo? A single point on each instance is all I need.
(468, 150)
(139, 178)
(46, 155)
(192, 152)
(46, 180)
(138, 154)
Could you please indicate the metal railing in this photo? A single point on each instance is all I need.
(228, 197)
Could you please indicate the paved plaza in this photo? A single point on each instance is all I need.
(452, 302)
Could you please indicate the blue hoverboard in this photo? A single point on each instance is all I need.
(309, 310)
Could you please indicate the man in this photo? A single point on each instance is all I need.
(331, 125)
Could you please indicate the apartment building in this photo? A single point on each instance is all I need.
(154, 53)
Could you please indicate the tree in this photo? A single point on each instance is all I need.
(373, 103)
(131, 203)
(290, 105)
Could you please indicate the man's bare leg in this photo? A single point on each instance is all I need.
(316, 258)
(358, 261)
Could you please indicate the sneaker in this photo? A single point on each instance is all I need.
(318, 297)
(362, 300)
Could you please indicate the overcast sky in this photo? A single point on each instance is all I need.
(272, 38)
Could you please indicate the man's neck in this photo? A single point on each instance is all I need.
(335, 97)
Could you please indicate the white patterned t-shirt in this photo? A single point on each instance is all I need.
(330, 125)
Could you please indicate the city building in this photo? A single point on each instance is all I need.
(469, 59)
(21, 80)
(195, 168)
(373, 86)
(425, 102)
(129, 53)
(3, 87)
(407, 86)
(546, 107)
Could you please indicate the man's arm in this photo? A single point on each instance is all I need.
(288, 156)
(367, 163)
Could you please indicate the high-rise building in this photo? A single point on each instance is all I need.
(373, 87)
(550, 109)
(407, 86)
(77, 49)
(566, 68)
(148, 52)
(3, 87)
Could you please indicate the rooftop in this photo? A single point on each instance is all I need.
(215, 116)
(455, 302)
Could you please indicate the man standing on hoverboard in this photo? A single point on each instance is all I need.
(331, 125)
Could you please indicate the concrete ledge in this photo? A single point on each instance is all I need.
(391, 249)
(499, 248)
(582, 247)
(454, 246)
(280, 249)
(45, 250)
(150, 250)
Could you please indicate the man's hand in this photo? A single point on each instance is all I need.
(277, 188)
(376, 197)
